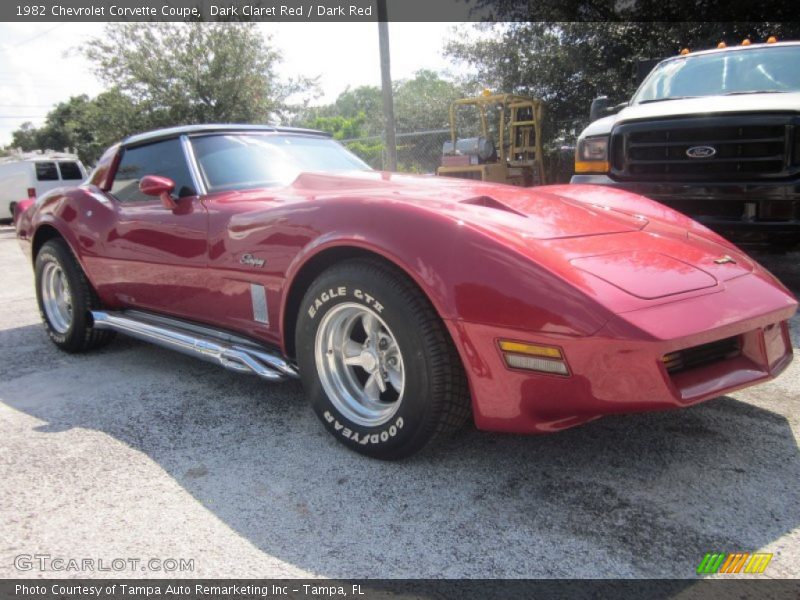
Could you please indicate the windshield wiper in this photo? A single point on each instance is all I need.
(665, 99)
(755, 92)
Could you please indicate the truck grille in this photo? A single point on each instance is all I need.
(751, 148)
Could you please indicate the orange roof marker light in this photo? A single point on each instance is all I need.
(684, 52)
(746, 42)
(772, 39)
(722, 45)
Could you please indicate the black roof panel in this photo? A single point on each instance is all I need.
(170, 132)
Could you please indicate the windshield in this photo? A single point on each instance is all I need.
(248, 160)
(772, 69)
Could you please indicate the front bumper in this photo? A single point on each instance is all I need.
(763, 212)
(620, 368)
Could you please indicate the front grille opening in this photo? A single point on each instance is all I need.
(701, 356)
(742, 148)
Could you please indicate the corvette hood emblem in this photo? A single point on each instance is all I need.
(251, 261)
(724, 259)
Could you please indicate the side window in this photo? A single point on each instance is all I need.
(46, 171)
(70, 170)
(161, 158)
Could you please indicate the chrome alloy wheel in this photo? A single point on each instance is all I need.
(56, 297)
(360, 364)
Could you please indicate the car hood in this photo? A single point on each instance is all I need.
(586, 235)
(704, 106)
(534, 213)
(647, 259)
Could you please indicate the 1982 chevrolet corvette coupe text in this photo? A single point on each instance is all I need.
(404, 304)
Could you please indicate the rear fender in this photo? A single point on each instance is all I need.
(72, 214)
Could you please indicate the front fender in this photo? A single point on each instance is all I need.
(466, 273)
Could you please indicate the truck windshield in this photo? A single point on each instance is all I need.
(749, 71)
(244, 160)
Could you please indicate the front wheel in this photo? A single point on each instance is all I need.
(376, 361)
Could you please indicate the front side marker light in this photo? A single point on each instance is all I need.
(591, 155)
(583, 166)
(534, 357)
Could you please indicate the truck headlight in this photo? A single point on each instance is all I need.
(591, 155)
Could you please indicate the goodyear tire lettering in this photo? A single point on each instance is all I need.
(364, 439)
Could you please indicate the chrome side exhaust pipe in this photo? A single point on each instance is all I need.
(232, 352)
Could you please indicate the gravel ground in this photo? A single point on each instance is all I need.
(138, 452)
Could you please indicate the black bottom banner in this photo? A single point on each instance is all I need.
(367, 589)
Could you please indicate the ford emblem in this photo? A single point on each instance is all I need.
(701, 152)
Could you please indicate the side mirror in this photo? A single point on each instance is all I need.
(599, 108)
(154, 185)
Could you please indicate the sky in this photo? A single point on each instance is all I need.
(40, 67)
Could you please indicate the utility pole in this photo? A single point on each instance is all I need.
(386, 85)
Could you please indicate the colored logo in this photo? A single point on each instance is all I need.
(737, 562)
(701, 152)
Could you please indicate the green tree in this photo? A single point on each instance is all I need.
(110, 117)
(363, 103)
(179, 73)
(66, 126)
(420, 103)
(86, 126)
(369, 149)
(25, 138)
(423, 102)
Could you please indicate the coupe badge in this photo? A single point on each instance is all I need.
(724, 260)
(251, 261)
(701, 152)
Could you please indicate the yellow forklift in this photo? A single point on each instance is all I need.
(517, 159)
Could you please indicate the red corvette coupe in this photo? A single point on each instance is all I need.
(404, 304)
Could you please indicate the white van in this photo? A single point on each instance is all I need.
(31, 175)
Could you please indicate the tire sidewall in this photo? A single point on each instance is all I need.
(408, 426)
(55, 252)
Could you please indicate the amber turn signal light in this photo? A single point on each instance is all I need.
(534, 357)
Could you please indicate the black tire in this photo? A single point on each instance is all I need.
(435, 400)
(78, 336)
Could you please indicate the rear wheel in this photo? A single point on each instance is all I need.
(376, 361)
(66, 299)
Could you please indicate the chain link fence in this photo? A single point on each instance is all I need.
(420, 152)
(417, 151)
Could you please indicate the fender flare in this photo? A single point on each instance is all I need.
(338, 241)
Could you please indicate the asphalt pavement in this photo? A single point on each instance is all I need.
(135, 452)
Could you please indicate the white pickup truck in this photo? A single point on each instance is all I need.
(714, 134)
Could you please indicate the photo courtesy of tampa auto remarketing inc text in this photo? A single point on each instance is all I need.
(394, 299)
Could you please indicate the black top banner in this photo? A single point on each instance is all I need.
(396, 10)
